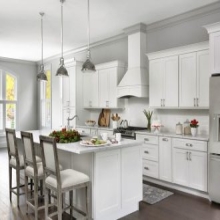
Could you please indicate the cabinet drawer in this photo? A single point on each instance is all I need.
(150, 152)
(190, 144)
(150, 168)
(148, 139)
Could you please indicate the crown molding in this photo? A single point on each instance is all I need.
(212, 28)
(178, 19)
(140, 27)
(11, 60)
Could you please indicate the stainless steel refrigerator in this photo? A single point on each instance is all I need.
(214, 139)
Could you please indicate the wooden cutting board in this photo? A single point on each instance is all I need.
(104, 118)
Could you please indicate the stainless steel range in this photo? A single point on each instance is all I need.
(129, 132)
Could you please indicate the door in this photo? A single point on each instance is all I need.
(180, 166)
(187, 80)
(171, 83)
(165, 159)
(203, 74)
(156, 83)
(198, 170)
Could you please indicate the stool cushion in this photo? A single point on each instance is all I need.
(68, 177)
(13, 161)
(29, 171)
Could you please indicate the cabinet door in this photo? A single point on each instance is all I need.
(90, 89)
(180, 167)
(104, 88)
(203, 74)
(171, 83)
(107, 183)
(113, 100)
(187, 80)
(165, 159)
(156, 83)
(198, 170)
(214, 52)
(131, 162)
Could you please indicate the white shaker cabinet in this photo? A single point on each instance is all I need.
(214, 44)
(164, 82)
(190, 163)
(109, 75)
(194, 79)
(90, 89)
(165, 159)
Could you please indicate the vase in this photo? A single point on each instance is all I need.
(149, 125)
(194, 131)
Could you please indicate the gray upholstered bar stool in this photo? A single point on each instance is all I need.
(33, 170)
(61, 181)
(16, 161)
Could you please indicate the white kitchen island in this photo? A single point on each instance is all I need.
(115, 173)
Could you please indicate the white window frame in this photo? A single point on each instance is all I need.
(44, 102)
(3, 100)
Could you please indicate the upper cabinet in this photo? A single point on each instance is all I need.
(214, 44)
(164, 78)
(179, 77)
(100, 88)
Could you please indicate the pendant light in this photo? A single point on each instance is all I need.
(41, 76)
(88, 65)
(62, 71)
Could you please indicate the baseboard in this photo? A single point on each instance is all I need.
(177, 187)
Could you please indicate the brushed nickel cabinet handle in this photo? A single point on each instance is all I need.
(190, 158)
(187, 158)
(146, 139)
(189, 145)
(146, 168)
(197, 102)
(164, 139)
(194, 102)
(146, 152)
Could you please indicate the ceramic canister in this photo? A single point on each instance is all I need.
(179, 128)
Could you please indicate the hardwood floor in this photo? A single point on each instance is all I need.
(180, 206)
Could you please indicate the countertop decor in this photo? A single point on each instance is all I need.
(148, 115)
(65, 136)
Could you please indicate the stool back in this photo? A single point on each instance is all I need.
(12, 144)
(29, 150)
(50, 157)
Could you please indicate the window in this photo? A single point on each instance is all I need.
(8, 100)
(45, 101)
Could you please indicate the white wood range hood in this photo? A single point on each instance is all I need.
(135, 80)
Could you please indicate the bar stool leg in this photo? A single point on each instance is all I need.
(36, 198)
(26, 191)
(18, 185)
(10, 182)
(71, 203)
(87, 202)
(46, 192)
(59, 204)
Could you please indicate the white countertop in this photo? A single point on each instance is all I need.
(94, 127)
(79, 149)
(173, 135)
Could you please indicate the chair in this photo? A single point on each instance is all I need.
(61, 181)
(33, 170)
(16, 161)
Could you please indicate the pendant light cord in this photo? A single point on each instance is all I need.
(88, 30)
(62, 28)
(42, 40)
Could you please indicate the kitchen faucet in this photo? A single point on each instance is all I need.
(70, 119)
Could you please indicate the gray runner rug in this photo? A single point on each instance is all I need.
(153, 194)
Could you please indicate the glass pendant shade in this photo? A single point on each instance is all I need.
(88, 65)
(41, 76)
(62, 71)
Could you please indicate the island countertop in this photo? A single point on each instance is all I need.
(77, 148)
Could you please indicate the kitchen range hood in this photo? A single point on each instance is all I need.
(135, 81)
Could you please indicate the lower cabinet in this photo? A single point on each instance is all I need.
(165, 159)
(117, 181)
(190, 165)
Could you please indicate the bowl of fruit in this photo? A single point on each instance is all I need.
(90, 123)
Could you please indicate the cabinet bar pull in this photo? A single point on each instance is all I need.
(189, 145)
(190, 156)
(194, 102)
(197, 102)
(187, 158)
(146, 152)
(165, 139)
(146, 168)
(146, 139)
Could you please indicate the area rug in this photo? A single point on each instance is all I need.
(153, 194)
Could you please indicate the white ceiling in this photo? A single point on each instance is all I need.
(20, 22)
